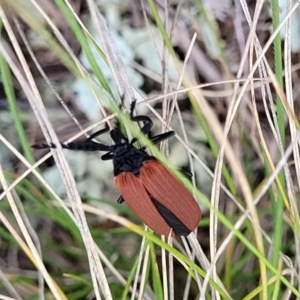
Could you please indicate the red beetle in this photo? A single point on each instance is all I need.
(157, 197)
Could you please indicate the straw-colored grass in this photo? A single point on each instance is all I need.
(237, 78)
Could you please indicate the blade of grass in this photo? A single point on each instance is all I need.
(9, 92)
(278, 205)
(82, 38)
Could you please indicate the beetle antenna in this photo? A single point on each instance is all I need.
(83, 146)
(132, 107)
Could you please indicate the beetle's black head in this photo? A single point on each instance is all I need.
(121, 142)
(117, 136)
(126, 158)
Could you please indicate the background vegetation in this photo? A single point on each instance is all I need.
(223, 74)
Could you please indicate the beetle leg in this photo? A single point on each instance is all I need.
(147, 122)
(120, 200)
(186, 173)
(107, 156)
(161, 137)
(99, 132)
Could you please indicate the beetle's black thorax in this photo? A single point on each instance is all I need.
(127, 158)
